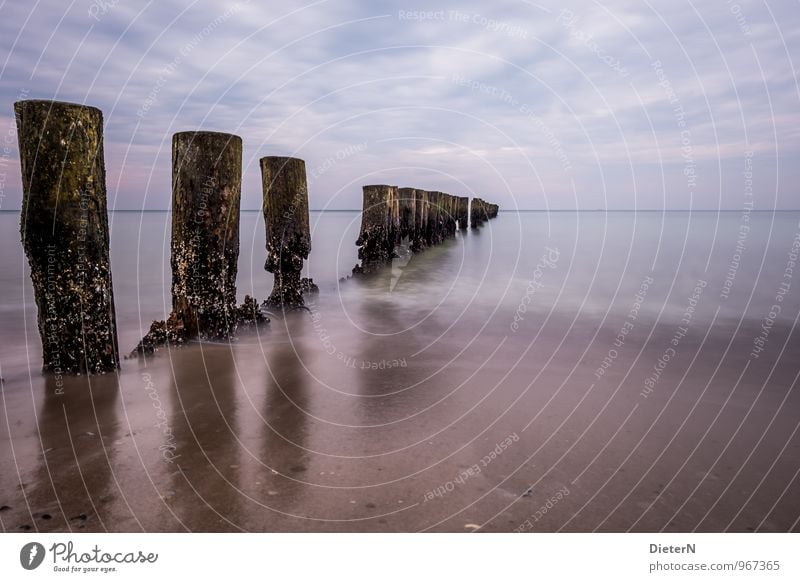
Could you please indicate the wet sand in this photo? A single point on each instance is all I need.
(408, 403)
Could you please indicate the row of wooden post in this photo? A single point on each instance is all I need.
(424, 218)
(481, 211)
(65, 234)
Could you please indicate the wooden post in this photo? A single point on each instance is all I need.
(64, 230)
(442, 216)
(452, 209)
(408, 210)
(206, 189)
(434, 210)
(429, 210)
(374, 234)
(477, 214)
(445, 216)
(394, 220)
(463, 212)
(287, 225)
(441, 203)
(420, 219)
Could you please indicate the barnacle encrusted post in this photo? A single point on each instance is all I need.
(442, 217)
(477, 212)
(445, 215)
(376, 217)
(448, 224)
(420, 219)
(434, 218)
(408, 208)
(394, 220)
(286, 220)
(206, 190)
(427, 221)
(452, 209)
(463, 212)
(64, 228)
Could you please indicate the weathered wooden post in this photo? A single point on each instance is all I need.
(438, 230)
(445, 220)
(287, 225)
(448, 215)
(445, 204)
(408, 210)
(452, 205)
(394, 220)
(477, 213)
(433, 217)
(441, 202)
(206, 189)
(428, 224)
(420, 219)
(463, 212)
(375, 218)
(64, 230)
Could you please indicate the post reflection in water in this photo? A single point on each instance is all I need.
(205, 480)
(74, 487)
(395, 390)
(285, 457)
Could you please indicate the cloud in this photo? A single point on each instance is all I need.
(529, 104)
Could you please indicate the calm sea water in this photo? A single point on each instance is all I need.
(602, 259)
(616, 348)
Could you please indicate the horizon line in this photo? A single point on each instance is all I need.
(163, 210)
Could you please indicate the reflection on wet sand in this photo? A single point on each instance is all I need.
(392, 387)
(205, 467)
(73, 487)
(287, 463)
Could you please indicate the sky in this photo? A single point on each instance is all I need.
(532, 105)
